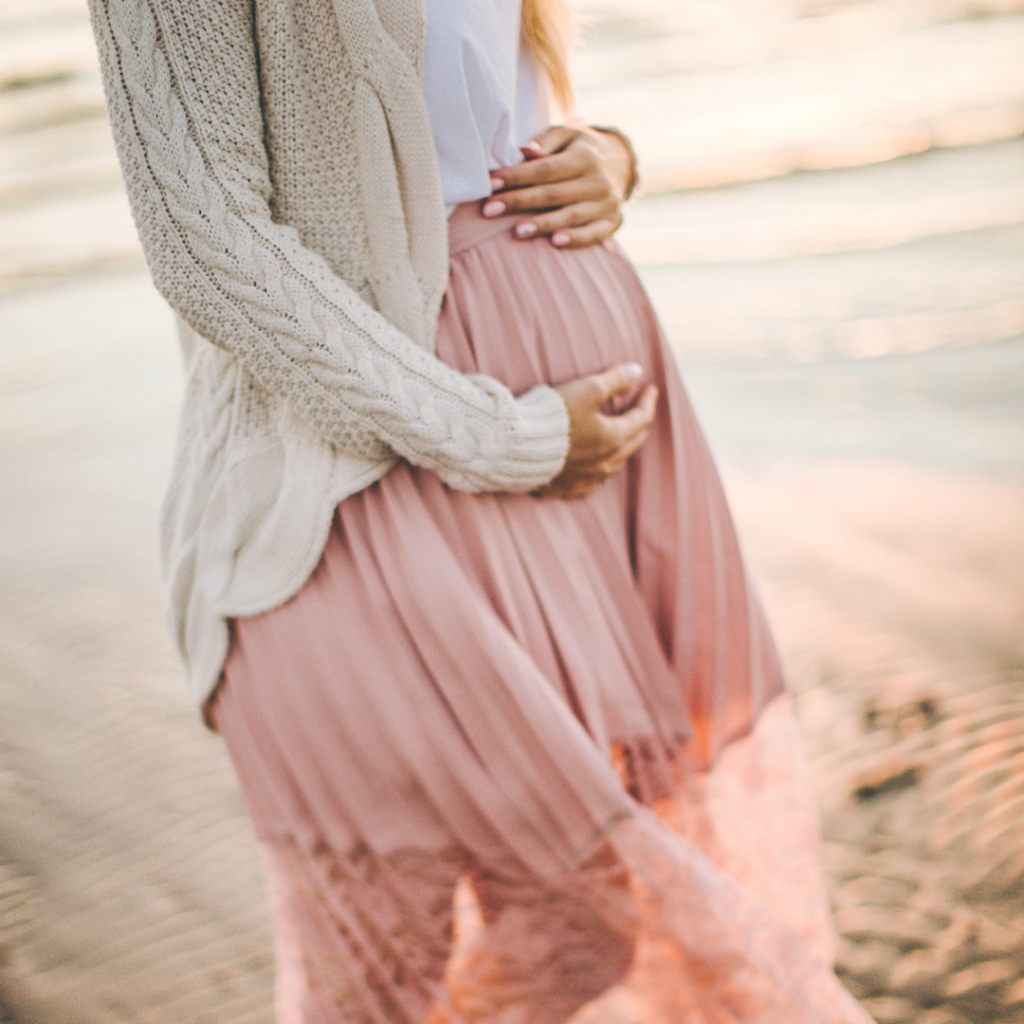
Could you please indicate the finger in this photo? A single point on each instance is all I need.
(628, 450)
(551, 140)
(541, 169)
(597, 230)
(616, 380)
(556, 167)
(622, 427)
(576, 215)
(551, 197)
(648, 401)
(645, 406)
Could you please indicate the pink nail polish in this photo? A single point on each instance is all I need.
(560, 238)
(497, 184)
(494, 209)
(525, 230)
(531, 147)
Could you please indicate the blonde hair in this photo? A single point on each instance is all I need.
(547, 32)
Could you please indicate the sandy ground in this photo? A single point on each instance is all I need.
(845, 300)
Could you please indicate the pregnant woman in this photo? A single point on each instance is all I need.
(449, 562)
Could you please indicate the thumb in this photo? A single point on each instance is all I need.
(617, 380)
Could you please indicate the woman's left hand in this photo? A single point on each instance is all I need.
(574, 179)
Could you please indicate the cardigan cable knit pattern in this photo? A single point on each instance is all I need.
(282, 175)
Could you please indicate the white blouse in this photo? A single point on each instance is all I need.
(484, 96)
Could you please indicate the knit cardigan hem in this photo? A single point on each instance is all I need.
(207, 660)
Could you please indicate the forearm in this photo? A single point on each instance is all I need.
(199, 195)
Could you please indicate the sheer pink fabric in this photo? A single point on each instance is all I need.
(567, 717)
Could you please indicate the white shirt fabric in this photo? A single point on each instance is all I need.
(484, 96)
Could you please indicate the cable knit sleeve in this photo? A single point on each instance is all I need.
(184, 102)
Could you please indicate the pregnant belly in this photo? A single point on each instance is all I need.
(527, 313)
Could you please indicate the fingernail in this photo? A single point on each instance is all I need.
(495, 208)
(497, 184)
(634, 371)
(531, 147)
(524, 230)
(560, 238)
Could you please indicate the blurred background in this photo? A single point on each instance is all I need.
(832, 228)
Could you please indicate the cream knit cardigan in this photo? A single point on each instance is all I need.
(283, 179)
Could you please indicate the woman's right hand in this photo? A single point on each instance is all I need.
(600, 442)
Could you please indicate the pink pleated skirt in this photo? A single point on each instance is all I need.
(513, 758)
